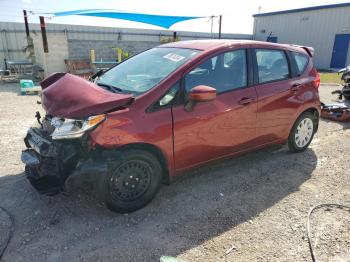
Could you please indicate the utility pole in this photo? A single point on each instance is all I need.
(211, 26)
(220, 22)
(43, 34)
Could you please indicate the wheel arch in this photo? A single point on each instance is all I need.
(315, 112)
(157, 152)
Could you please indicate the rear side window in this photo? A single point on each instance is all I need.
(301, 61)
(272, 65)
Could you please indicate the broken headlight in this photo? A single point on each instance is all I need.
(71, 128)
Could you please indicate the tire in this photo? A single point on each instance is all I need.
(132, 181)
(302, 126)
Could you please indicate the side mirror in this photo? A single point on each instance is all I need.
(202, 93)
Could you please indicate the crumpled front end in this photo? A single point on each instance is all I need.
(49, 162)
(58, 147)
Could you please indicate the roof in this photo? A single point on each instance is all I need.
(202, 44)
(313, 8)
(211, 44)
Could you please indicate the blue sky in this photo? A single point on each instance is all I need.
(237, 15)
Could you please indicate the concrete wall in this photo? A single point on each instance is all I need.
(53, 61)
(83, 38)
(105, 50)
(316, 28)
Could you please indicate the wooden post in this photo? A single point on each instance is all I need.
(174, 36)
(43, 34)
(26, 22)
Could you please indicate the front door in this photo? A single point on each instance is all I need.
(340, 51)
(221, 127)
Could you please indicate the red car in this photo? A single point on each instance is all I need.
(169, 109)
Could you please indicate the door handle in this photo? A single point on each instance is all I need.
(246, 100)
(295, 87)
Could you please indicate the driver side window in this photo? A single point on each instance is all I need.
(224, 72)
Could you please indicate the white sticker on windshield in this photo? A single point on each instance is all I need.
(174, 57)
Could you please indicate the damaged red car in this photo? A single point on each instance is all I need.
(169, 109)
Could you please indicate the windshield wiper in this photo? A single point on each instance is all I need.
(110, 87)
(97, 74)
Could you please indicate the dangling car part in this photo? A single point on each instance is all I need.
(345, 92)
(336, 112)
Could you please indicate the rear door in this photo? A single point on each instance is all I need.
(277, 95)
(221, 127)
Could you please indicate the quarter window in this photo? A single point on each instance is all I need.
(301, 61)
(272, 65)
(224, 72)
(168, 97)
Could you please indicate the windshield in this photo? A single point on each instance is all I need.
(145, 70)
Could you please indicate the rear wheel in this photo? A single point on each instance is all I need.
(132, 181)
(302, 132)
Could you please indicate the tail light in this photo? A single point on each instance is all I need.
(317, 81)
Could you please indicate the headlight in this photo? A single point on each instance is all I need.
(70, 128)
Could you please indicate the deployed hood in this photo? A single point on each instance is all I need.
(69, 96)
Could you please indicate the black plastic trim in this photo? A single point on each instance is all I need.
(154, 108)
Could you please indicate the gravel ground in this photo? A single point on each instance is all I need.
(251, 208)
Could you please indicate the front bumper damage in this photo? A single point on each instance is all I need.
(49, 163)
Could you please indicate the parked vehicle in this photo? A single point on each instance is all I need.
(345, 92)
(170, 109)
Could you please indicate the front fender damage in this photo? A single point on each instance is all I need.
(90, 172)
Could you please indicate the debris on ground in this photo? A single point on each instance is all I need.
(336, 112)
(228, 251)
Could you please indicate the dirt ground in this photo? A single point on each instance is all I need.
(251, 208)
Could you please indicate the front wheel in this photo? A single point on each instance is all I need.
(302, 132)
(132, 181)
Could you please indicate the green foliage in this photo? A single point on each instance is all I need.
(330, 78)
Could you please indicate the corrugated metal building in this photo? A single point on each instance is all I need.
(326, 28)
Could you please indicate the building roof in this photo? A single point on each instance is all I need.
(313, 8)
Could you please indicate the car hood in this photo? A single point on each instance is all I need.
(68, 96)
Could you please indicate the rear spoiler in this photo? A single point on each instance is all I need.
(310, 50)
